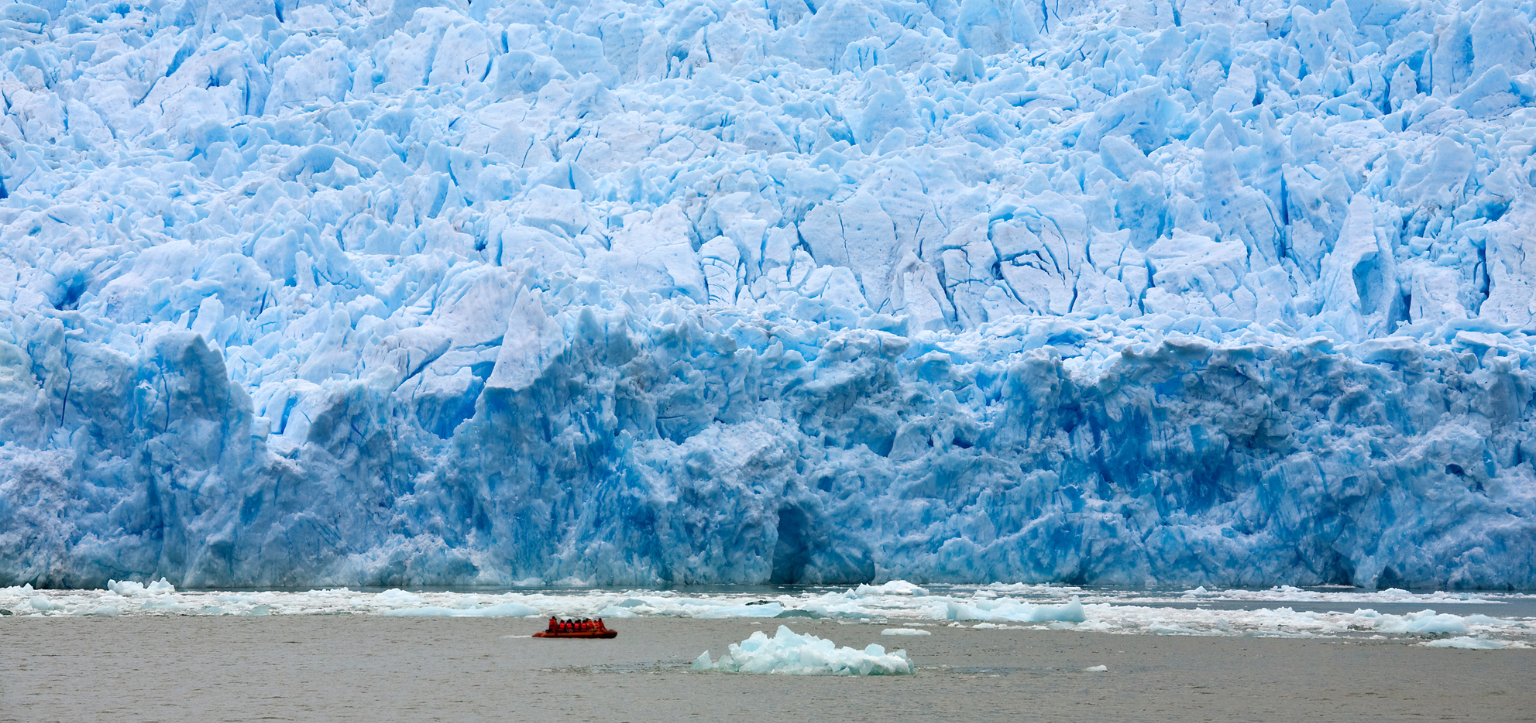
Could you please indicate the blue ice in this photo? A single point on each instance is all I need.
(587, 292)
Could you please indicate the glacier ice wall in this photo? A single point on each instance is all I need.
(410, 292)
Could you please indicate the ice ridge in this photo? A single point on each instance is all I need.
(405, 292)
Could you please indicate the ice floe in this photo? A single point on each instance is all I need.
(791, 653)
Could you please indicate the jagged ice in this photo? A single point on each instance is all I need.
(413, 293)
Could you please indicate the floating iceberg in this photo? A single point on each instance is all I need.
(441, 293)
(1286, 593)
(894, 587)
(910, 632)
(504, 610)
(1015, 611)
(129, 588)
(1428, 622)
(790, 653)
(1466, 643)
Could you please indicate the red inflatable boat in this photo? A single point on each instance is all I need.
(579, 628)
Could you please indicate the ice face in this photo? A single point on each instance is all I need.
(420, 293)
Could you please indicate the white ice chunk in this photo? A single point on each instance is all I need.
(1428, 622)
(894, 587)
(791, 653)
(504, 610)
(129, 588)
(1008, 609)
(1469, 643)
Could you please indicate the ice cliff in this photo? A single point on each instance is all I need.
(399, 292)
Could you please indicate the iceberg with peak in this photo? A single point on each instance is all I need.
(420, 293)
(791, 653)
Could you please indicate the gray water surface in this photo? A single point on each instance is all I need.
(361, 667)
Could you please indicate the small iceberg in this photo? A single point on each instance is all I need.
(1010, 610)
(129, 588)
(504, 610)
(790, 653)
(894, 587)
(1471, 643)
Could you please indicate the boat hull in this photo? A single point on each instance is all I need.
(585, 634)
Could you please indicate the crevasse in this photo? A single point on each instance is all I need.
(416, 293)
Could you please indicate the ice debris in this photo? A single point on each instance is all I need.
(503, 610)
(1125, 611)
(431, 292)
(1286, 593)
(1097, 669)
(1467, 643)
(905, 631)
(791, 653)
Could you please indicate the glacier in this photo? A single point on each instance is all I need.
(590, 292)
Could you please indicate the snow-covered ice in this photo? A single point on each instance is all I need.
(438, 293)
(791, 653)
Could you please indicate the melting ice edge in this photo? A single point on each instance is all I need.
(408, 293)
